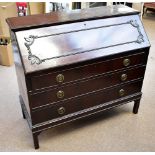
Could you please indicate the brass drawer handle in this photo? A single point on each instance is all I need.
(60, 78)
(61, 110)
(123, 77)
(60, 94)
(121, 92)
(126, 62)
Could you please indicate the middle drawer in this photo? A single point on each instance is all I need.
(76, 89)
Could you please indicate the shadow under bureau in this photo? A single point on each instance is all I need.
(77, 63)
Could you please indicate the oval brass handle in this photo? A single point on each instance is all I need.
(60, 78)
(121, 92)
(123, 77)
(60, 94)
(126, 62)
(61, 110)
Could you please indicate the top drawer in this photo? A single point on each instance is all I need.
(86, 71)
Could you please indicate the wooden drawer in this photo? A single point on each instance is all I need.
(76, 104)
(86, 86)
(86, 71)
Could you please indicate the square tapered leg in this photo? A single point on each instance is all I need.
(136, 106)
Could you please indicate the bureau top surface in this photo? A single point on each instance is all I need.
(33, 21)
(59, 45)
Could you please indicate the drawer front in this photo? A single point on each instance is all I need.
(84, 102)
(86, 71)
(86, 86)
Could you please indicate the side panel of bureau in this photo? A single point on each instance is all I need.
(21, 78)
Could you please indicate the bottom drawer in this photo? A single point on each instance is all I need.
(86, 101)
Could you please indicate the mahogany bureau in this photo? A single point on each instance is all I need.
(77, 63)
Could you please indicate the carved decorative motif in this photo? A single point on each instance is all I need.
(33, 58)
(36, 60)
(140, 37)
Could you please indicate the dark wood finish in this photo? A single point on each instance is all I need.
(23, 114)
(85, 71)
(20, 100)
(21, 79)
(136, 106)
(55, 18)
(35, 140)
(61, 49)
(85, 113)
(47, 97)
(84, 102)
(77, 82)
(148, 7)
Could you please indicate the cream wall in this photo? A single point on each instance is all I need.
(36, 7)
(138, 6)
(7, 9)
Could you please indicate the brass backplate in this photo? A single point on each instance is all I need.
(60, 94)
(126, 62)
(123, 77)
(60, 78)
(121, 92)
(61, 110)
